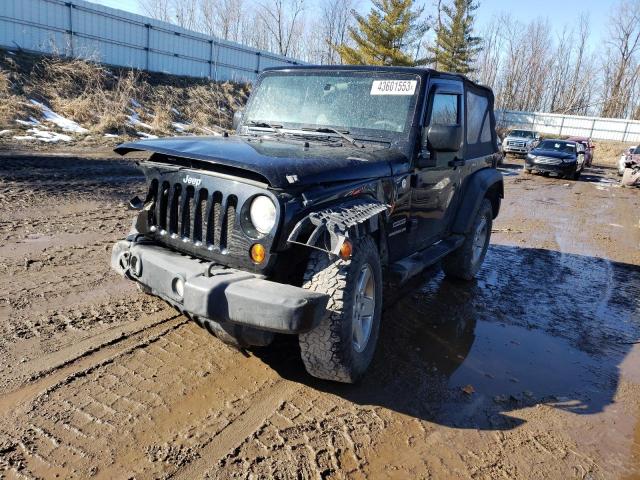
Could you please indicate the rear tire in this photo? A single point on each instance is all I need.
(526, 170)
(341, 347)
(465, 262)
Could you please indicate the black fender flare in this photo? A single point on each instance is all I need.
(351, 219)
(474, 191)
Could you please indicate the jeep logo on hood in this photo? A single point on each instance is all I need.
(192, 181)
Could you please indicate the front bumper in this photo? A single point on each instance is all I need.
(217, 293)
(561, 169)
(512, 149)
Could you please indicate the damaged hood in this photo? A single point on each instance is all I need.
(280, 161)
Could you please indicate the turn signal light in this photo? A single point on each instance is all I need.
(346, 250)
(258, 253)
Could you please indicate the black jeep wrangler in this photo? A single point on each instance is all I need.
(338, 179)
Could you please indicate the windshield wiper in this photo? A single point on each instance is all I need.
(261, 124)
(342, 134)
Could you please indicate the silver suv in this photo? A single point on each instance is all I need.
(520, 141)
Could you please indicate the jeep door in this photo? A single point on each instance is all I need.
(436, 185)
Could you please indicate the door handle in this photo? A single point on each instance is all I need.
(456, 163)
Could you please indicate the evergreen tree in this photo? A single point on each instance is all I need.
(389, 35)
(455, 47)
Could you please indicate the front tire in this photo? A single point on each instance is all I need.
(465, 262)
(341, 347)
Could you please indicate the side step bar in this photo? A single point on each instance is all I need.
(403, 270)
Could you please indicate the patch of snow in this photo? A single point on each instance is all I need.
(135, 103)
(208, 131)
(180, 127)
(62, 122)
(134, 121)
(111, 135)
(44, 136)
(4, 132)
(10, 52)
(32, 122)
(148, 136)
(175, 111)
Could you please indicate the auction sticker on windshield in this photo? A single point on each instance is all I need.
(393, 87)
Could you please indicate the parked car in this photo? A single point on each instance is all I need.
(631, 175)
(622, 161)
(560, 157)
(520, 141)
(589, 147)
(338, 179)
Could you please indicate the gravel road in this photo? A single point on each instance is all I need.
(531, 372)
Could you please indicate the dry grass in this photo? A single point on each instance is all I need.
(102, 99)
(608, 152)
(11, 104)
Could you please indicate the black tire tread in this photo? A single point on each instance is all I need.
(324, 351)
(458, 263)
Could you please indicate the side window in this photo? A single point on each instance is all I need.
(485, 136)
(476, 114)
(445, 109)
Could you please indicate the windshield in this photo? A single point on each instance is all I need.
(523, 134)
(369, 103)
(636, 150)
(565, 147)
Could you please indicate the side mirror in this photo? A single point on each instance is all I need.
(237, 118)
(442, 138)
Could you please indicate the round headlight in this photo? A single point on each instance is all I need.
(262, 214)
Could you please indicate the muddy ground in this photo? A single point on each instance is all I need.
(531, 372)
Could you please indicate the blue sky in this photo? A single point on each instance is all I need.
(558, 12)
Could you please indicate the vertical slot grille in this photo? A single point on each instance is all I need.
(162, 206)
(228, 222)
(200, 216)
(174, 208)
(152, 196)
(213, 219)
(205, 218)
(186, 214)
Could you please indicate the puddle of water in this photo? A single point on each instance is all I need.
(507, 360)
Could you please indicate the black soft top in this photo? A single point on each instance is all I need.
(422, 71)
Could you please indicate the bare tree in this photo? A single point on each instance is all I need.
(571, 83)
(223, 18)
(158, 9)
(620, 60)
(186, 13)
(489, 60)
(283, 21)
(336, 18)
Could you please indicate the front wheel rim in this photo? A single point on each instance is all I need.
(480, 239)
(364, 307)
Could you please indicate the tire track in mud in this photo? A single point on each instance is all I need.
(237, 433)
(78, 359)
(74, 352)
(146, 410)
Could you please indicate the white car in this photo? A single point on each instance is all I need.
(622, 159)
